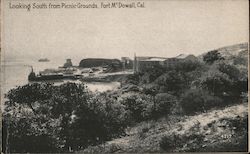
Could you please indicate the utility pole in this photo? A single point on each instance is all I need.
(135, 67)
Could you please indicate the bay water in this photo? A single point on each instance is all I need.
(15, 73)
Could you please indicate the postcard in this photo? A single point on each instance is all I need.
(124, 76)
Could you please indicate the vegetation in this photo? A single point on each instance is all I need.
(63, 118)
(212, 56)
(174, 141)
(43, 117)
(202, 100)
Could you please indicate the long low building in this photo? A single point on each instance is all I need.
(144, 63)
(99, 62)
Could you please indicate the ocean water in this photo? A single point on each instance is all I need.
(15, 73)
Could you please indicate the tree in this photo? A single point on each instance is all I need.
(139, 107)
(64, 102)
(187, 66)
(216, 82)
(225, 81)
(26, 131)
(212, 56)
(173, 82)
(29, 94)
(232, 72)
(48, 103)
(151, 74)
(101, 119)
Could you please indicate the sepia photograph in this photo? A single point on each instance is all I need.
(124, 76)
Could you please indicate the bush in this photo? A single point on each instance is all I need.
(188, 66)
(240, 61)
(212, 56)
(192, 142)
(133, 79)
(146, 107)
(103, 118)
(138, 107)
(170, 142)
(163, 104)
(173, 81)
(151, 75)
(26, 132)
(230, 70)
(198, 100)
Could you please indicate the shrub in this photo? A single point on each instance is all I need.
(145, 107)
(163, 104)
(151, 75)
(186, 142)
(139, 107)
(133, 79)
(188, 66)
(230, 70)
(170, 142)
(198, 100)
(101, 119)
(144, 128)
(173, 81)
(225, 81)
(114, 148)
(240, 60)
(26, 132)
(212, 56)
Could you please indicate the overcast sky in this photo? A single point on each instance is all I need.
(163, 28)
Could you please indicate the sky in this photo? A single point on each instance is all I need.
(162, 28)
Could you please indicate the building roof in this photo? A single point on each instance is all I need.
(154, 59)
(125, 58)
(182, 56)
(151, 58)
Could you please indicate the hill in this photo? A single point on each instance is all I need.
(210, 92)
(216, 130)
(231, 52)
(234, 50)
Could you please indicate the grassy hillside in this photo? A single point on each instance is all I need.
(231, 52)
(215, 130)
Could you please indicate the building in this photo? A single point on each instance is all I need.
(127, 63)
(99, 62)
(170, 62)
(143, 63)
(68, 63)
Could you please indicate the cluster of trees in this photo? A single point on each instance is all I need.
(196, 85)
(42, 117)
(141, 107)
